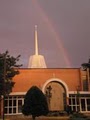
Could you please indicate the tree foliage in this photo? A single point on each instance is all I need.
(86, 65)
(8, 69)
(35, 103)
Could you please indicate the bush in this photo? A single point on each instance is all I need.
(77, 116)
(35, 103)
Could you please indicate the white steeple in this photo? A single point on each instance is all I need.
(36, 61)
(36, 41)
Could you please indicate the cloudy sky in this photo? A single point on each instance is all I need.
(63, 30)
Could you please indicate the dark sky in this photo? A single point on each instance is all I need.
(63, 30)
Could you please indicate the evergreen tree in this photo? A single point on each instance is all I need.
(8, 69)
(35, 103)
(86, 65)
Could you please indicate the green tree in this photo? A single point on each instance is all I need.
(35, 103)
(8, 69)
(86, 65)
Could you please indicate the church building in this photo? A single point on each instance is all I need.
(62, 86)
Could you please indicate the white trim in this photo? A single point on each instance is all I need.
(81, 92)
(55, 80)
(17, 93)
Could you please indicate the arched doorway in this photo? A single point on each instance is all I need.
(56, 92)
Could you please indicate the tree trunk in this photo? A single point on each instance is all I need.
(33, 117)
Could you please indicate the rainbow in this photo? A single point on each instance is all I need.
(50, 26)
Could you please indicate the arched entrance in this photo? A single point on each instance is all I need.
(56, 92)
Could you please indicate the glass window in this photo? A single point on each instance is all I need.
(69, 101)
(10, 102)
(14, 110)
(13, 104)
(77, 101)
(14, 97)
(88, 108)
(88, 104)
(85, 85)
(74, 109)
(88, 101)
(83, 104)
(19, 105)
(10, 110)
(78, 108)
(73, 101)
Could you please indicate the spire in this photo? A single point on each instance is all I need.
(36, 41)
(36, 60)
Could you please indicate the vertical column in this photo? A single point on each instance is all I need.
(36, 41)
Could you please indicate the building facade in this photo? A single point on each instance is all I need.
(62, 87)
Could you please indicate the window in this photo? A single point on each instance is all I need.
(80, 104)
(74, 105)
(83, 106)
(88, 104)
(85, 84)
(13, 104)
